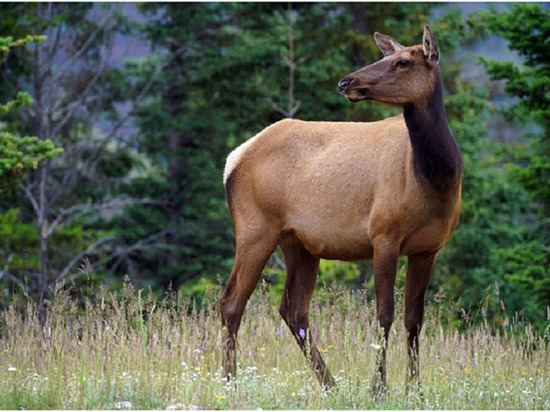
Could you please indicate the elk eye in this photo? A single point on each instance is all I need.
(403, 63)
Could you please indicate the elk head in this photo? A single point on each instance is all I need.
(404, 76)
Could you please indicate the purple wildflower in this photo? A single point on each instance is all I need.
(279, 333)
(302, 333)
(436, 357)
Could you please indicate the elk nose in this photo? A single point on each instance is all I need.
(344, 83)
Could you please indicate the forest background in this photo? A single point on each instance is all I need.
(122, 172)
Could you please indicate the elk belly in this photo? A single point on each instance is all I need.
(329, 242)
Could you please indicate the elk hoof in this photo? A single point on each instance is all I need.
(378, 388)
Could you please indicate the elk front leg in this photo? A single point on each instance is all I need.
(419, 271)
(385, 266)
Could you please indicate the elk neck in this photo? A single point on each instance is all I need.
(436, 154)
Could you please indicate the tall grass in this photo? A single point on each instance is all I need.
(126, 350)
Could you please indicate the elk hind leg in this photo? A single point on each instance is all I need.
(252, 252)
(302, 269)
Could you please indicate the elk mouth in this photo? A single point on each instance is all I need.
(356, 94)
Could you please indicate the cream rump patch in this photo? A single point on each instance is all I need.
(233, 159)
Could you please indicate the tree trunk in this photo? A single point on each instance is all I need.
(42, 223)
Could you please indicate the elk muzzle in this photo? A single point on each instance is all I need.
(343, 84)
(353, 92)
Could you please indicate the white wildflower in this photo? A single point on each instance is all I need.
(175, 407)
(375, 346)
(12, 369)
(124, 405)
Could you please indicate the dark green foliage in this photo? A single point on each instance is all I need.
(64, 76)
(467, 267)
(19, 250)
(186, 230)
(524, 260)
(217, 74)
(18, 153)
(527, 29)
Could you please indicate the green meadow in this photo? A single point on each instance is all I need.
(128, 350)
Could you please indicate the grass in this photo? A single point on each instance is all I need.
(127, 350)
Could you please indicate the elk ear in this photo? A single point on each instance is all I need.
(430, 47)
(387, 44)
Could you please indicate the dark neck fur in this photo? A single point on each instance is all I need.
(436, 155)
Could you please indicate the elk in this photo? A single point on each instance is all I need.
(348, 191)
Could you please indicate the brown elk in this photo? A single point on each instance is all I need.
(349, 191)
